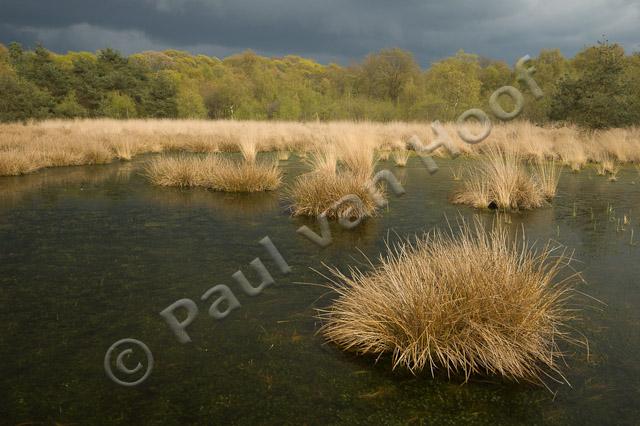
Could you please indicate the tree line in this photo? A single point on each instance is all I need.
(598, 88)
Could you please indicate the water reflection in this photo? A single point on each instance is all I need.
(15, 189)
(228, 205)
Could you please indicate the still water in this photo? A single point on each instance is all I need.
(91, 255)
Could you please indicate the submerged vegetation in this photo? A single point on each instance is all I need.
(503, 310)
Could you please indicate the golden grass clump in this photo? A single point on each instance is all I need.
(283, 155)
(213, 172)
(548, 176)
(501, 181)
(314, 193)
(383, 154)
(324, 160)
(479, 302)
(456, 173)
(317, 191)
(400, 157)
(249, 151)
(123, 149)
(14, 163)
(572, 153)
(357, 157)
(606, 164)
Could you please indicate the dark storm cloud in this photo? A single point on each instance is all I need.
(324, 29)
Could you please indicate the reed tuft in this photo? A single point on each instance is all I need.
(213, 172)
(501, 181)
(473, 302)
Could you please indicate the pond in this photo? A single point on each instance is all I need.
(91, 255)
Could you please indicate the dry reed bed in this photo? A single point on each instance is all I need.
(26, 148)
(477, 302)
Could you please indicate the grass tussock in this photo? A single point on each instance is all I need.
(400, 157)
(456, 173)
(547, 174)
(335, 173)
(283, 155)
(314, 193)
(605, 165)
(502, 181)
(213, 172)
(384, 154)
(14, 163)
(572, 153)
(503, 310)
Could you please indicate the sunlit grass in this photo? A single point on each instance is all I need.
(400, 157)
(477, 302)
(54, 143)
(213, 172)
(314, 193)
(283, 155)
(457, 173)
(317, 191)
(500, 180)
(384, 154)
(547, 174)
(13, 163)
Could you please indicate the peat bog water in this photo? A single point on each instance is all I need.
(90, 255)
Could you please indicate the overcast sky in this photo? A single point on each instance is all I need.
(326, 30)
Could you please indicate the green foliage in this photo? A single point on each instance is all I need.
(39, 68)
(455, 85)
(597, 96)
(15, 52)
(550, 67)
(494, 75)
(69, 107)
(86, 83)
(600, 87)
(383, 75)
(4, 54)
(21, 100)
(159, 98)
(115, 73)
(190, 104)
(228, 95)
(631, 81)
(118, 105)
